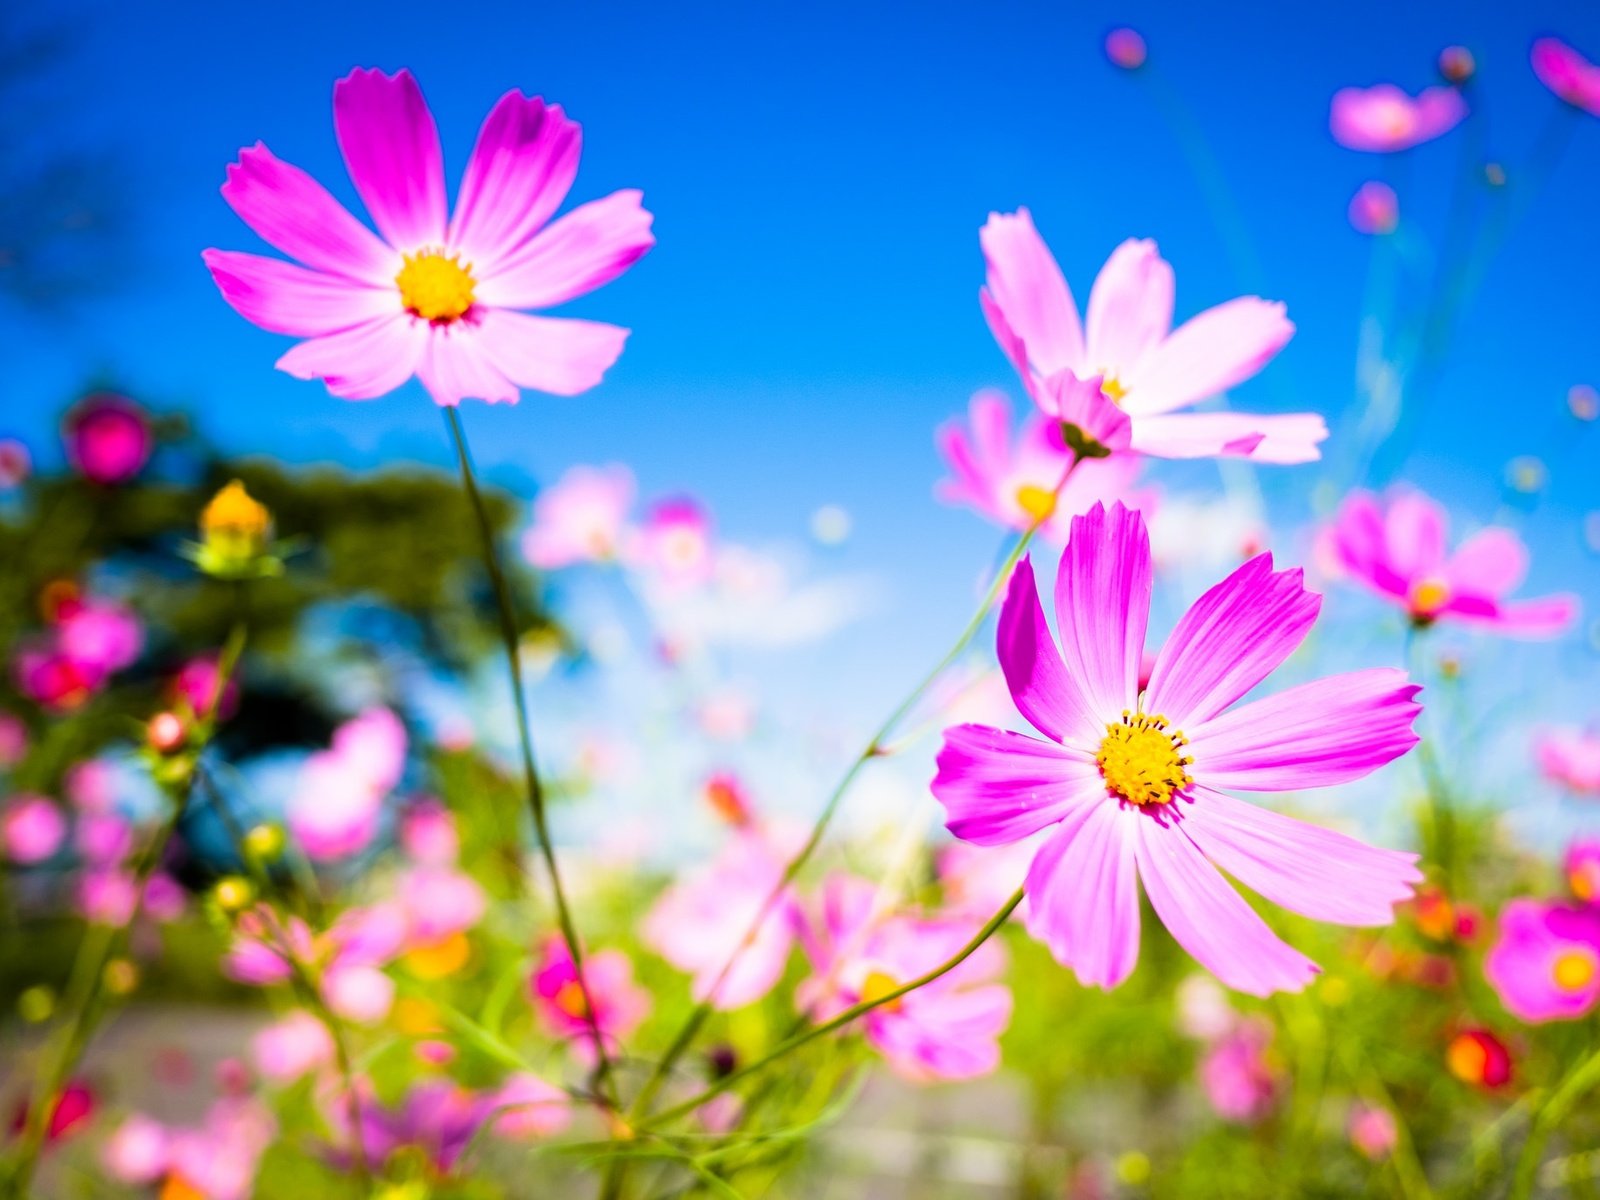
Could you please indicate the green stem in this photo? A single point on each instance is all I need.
(1574, 1087)
(530, 772)
(1441, 811)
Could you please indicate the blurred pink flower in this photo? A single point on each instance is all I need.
(674, 545)
(438, 902)
(528, 1107)
(296, 1044)
(1125, 48)
(1374, 208)
(16, 464)
(1146, 368)
(436, 1120)
(1237, 1074)
(91, 785)
(218, 1159)
(107, 896)
(32, 829)
(13, 741)
(428, 835)
(137, 1153)
(1582, 868)
(1203, 1009)
(1384, 119)
(164, 898)
(947, 1029)
(339, 795)
(102, 838)
(1571, 758)
(1545, 965)
(977, 880)
(558, 1000)
(1129, 784)
(1567, 73)
(1395, 546)
(436, 296)
(1013, 483)
(1373, 1131)
(108, 438)
(196, 686)
(580, 518)
(89, 641)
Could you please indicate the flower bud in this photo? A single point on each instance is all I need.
(233, 894)
(166, 733)
(235, 531)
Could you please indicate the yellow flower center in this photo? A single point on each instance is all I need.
(1112, 387)
(1036, 502)
(435, 286)
(1583, 879)
(1140, 761)
(1428, 596)
(436, 960)
(569, 999)
(876, 987)
(1574, 970)
(1467, 1059)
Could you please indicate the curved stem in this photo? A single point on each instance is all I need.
(1574, 1087)
(530, 771)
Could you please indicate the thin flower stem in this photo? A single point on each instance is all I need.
(1579, 1081)
(1441, 811)
(845, 1018)
(536, 804)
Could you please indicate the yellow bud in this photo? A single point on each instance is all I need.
(1133, 1168)
(234, 529)
(35, 1004)
(264, 842)
(233, 894)
(121, 976)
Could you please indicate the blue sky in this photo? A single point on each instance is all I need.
(818, 174)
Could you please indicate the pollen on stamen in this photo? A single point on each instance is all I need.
(435, 286)
(1140, 759)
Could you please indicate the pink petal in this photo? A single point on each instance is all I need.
(1210, 920)
(294, 213)
(558, 355)
(1208, 354)
(1027, 288)
(1310, 870)
(589, 247)
(1359, 546)
(1130, 307)
(1083, 894)
(1414, 531)
(1546, 616)
(457, 365)
(521, 169)
(1231, 639)
(998, 787)
(1041, 687)
(1291, 438)
(1010, 344)
(1103, 605)
(287, 298)
(1492, 562)
(391, 149)
(1318, 734)
(361, 362)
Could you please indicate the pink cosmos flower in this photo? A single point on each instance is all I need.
(436, 1120)
(1373, 1131)
(196, 686)
(32, 829)
(674, 545)
(108, 438)
(558, 1000)
(1013, 483)
(1384, 119)
(947, 1029)
(1144, 367)
(439, 902)
(1567, 73)
(339, 795)
(1395, 546)
(294, 1045)
(436, 296)
(1126, 48)
(580, 518)
(107, 896)
(1130, 783)
(137, 1153)
(1237, 1073)
(529, 1107)
(1545, 966)
(218, 1159)
(1571, 758)
(698, 924)
(102, 838)
(1374, 209)
(1583, 869)
(350, 956)
(428, 835)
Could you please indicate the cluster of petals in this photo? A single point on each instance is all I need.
(338, 797)
(434, 294)
(216, 1159)
(1545, 963)
(559, 998)
(347, 960)
(1567, 73)
(1570, 758)
(1085, 698)
(88, 641)
(1239, 1074)
(1582, 867)
(1384, 119)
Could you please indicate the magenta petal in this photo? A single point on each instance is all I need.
(1310, 870)
(999, 787)
(1210, 920)
(1083, 894)
(361, 362)
(1130, 306)
(1041, 687)
(1208, 354)
(1103, 605)
(521, 169)
(1292, 438)
(1317, 734)
(287, 298)
(558, 355)
(1010, 344)
(294, 213)
(456, 366)
(1026, 286)
(588, 247)
(1231, 639)
(391, 149)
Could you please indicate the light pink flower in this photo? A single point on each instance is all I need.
(529, 1107)
(339, 795)
(107, 896)
(558, 998)
(196, 686)
(102, 838)
(1374, 209)
(1130, 783)
(1383, 118)
(977, 880)
(436, 296)
(428, 835)
(1545, 965)
(1395, 546)
(219, 1158)
(1147, 368)
(32, 829)
(1567, 73)
(108, 438)
(439, 902)
(294, 1045)
(699, 923)
(164, 898)
(102, 636)
(1125, 48)
(1373, 1131)
(1571, 758)
(13, 741)
(580, 518)
(137, 1153)
(91, 785)
(674, 545)
(1014, 482)
(1237, 1074)
(946, 1029)
(1583, 869)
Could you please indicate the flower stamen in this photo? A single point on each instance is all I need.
(1141, 761)
(435, 286)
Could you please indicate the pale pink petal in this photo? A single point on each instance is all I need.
(998, 787)
(559, 355)
(1044, 692)
(1130, 307)
(284, 297)
(362, 362)
(1010, 344)
(391, 149)
(1359, 547)
(1208, 354)
(1492, 562)
(1083, 893)
(1318, 734)
(457, 365)
(1310, 870)
(1231, 639)
(294, 213)
(521, 169)
(1028, 289)
(588, 247)
(1103, 605)
(1210, 920)
(1546, 616)
(1414, 532)
(1292, 438)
